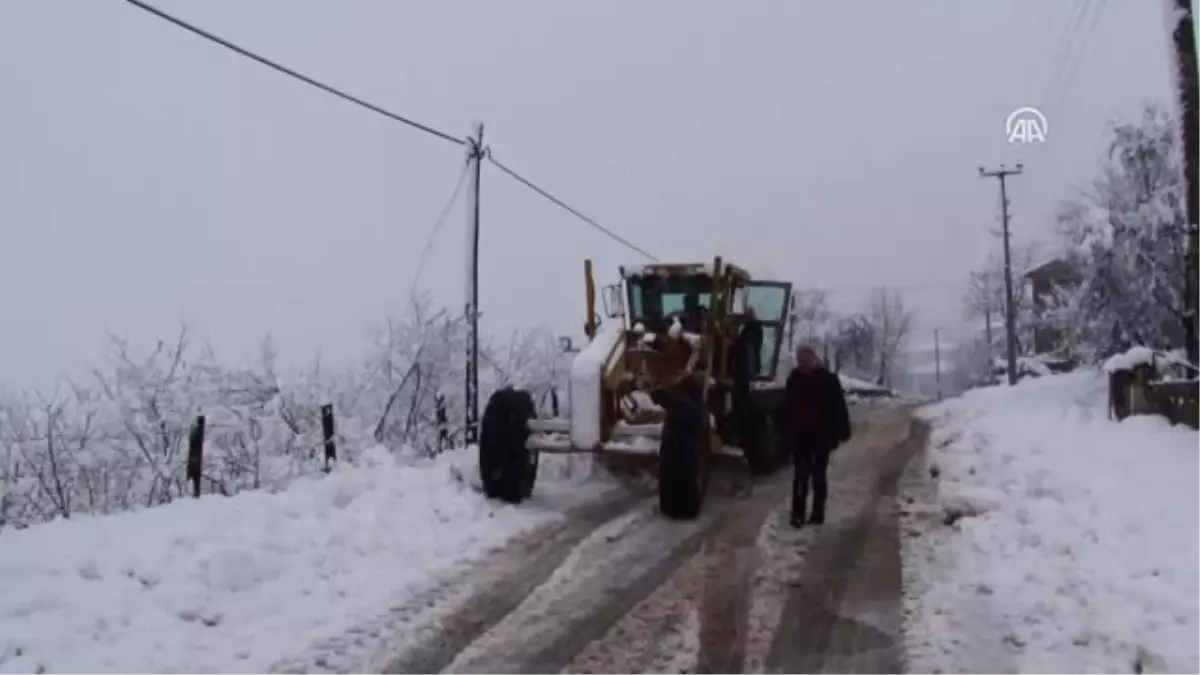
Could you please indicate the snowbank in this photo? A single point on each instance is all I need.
(237, 584)
(1055, 540)
(854, 386)
(1171, 365)
(1137, 356)
(1027, 366)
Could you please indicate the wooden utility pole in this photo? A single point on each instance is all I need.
(987, 316)
(1010, 314)
(886, 335)
(937, 361)
(475, 154)
(792, 321)
(1181, 24)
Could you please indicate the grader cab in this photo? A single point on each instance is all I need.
(684, 369)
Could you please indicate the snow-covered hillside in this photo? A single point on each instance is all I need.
(1053, 539)
(237, 584)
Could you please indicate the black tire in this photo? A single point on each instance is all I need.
(683, 460)
(757, 437)
(507, 468)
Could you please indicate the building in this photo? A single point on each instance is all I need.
(1043, 279)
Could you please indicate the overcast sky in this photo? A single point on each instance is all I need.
(149, 177)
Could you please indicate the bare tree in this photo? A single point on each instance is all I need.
(984, 297)
(855, 344)
(891, 319)
(969, 365)
(812, 316)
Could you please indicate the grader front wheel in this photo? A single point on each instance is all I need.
(507, 468)
(683, 459)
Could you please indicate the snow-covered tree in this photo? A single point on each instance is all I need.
(119, 441)
(1126, 237)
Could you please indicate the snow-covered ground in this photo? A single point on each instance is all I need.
(238, 584)
(1051, 539)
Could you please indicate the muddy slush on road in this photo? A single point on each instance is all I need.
(615, 587)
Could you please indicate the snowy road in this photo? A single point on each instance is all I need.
(616, 587)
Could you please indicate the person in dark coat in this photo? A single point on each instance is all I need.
(752, 333)
(815, 420)
(692, 315)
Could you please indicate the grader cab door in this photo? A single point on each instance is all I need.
(770, 301)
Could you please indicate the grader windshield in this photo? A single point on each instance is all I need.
(653, 298)
(769, 300)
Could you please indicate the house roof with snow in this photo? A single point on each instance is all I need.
(1053, 266)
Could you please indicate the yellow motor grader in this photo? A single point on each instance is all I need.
(685, 368)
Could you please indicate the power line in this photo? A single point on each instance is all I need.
(1064, 49)
(439, 223)
(288, 71)
(613, 235)
(867, 288)
(1071, 68)
(1070, 30)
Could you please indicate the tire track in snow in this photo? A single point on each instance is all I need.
(603, 592)
(472, 601)
(731, 559)
(842, 611)
(695, 620)
(782, 550)
(434, 620)
(612, 570)
(746, 549)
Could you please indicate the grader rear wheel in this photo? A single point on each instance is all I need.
(507, 468)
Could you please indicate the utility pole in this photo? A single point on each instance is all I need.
(1010, 314)
(792, 321)
(1183, 37)
(475, 153)
(987, 316)
(937, 361)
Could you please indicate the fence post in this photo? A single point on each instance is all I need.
(1118, 393)
(327, 432)
(195, 459)
(443, 422)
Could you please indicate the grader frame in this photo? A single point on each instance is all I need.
(688, 370)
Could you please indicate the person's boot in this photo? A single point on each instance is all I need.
(797, 520)
(818, 515)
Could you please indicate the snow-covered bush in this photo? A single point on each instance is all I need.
(118, 441)
(1126, 239)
